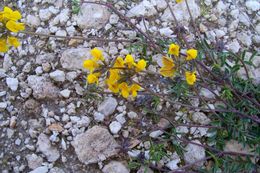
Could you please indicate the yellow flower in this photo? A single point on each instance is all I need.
(113, 76)
(174, 49)
(134, 88)
(9, 14)
(124, 89)
(119, 62)
(13, 41)
(113, 87)
(97, 54)
(178, 1)
(3, 45)
(93, 78)
(129, 60)
(1, 17)
(190, 77)
(15, 26)
(90, 65)
(191, 54)
(140, 66)
(168, 67)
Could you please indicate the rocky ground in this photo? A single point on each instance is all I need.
(51, 123)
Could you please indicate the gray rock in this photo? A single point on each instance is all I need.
(58, 76)
(95, 145)
(42, 169)
(3, 105)
(61, 33)
(166, 31)
(99, 117)
(245, 39)
(235, 146)
(44, 146)
(33, 21)
(113, 19)
(144, 169)
(108, 106)
(72, 59)
(92, 16)
(181, 12)
(115, 167)
(56, 170)
(155, 134)
(65, 93)
(145, 8)
(194, 153)
(31, 106)
(201, 118)
(34, 161)
(175, 159)
(115, 127)
(207, 93)
(45, 14)
(253, 5)
(42, 87)
(12, 83)
(44, 58)
(234, 46)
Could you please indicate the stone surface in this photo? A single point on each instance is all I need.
(65, 93)
(194, 153)
(115, 127)
(58, 76)
(42, 169)
(42, 87)
(44, 146)
(145, 8)
(115, 167)
(34, 161)
(72, 59)
(200, 118)
(92, 16)
(173, 164)
(95, 145)
(181, 12)
(33, 21)
(108, 106)
(12, 83)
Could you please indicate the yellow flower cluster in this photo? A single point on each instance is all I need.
(179, 1)
(120, 73)
(8, 24)
(93, 64)
(168, 69)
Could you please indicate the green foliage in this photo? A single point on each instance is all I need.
(157, 152)
(75, 6)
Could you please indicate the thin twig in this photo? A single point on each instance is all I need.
(76, 37)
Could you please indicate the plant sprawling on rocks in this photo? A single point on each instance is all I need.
(129, 86)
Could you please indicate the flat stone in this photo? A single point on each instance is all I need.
(92, 16)
(95, 145)
(145, 8)
(200, 118)
(72, 59)
(12, 83)
(42, 169)
(44, 146)
(44, 58)
(34, 161)
(194, 153)
(42, 87)
(181, 12)
(115, 167)
(58, 76)
(108, 106)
